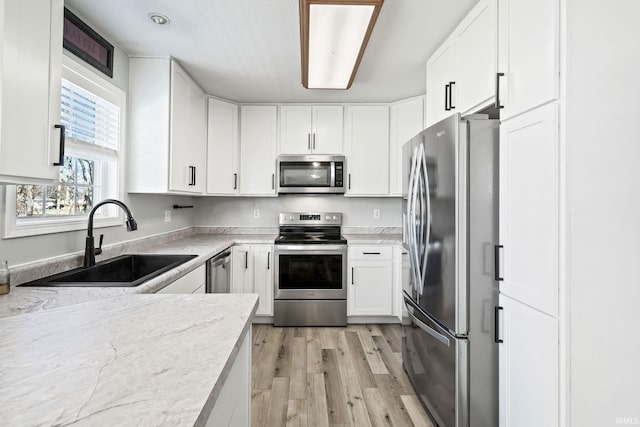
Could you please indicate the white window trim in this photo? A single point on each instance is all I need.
(105, 216)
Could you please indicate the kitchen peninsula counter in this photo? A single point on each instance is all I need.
(128, 360)
(33, 299)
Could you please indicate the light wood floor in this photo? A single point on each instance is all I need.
(348, 376)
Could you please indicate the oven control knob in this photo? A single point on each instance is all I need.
(335, 218)
(328, 218)
(291, 218)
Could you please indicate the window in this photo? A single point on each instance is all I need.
(92, 111)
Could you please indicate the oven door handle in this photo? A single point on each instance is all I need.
(310, 247)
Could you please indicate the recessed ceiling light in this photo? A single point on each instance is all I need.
(159, 18)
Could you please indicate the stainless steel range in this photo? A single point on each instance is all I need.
(310, 270)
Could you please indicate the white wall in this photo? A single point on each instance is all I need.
(603, 210)
(238, 211)
(148, 210)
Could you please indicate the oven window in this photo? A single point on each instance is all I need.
(305, 174)
(310, 271)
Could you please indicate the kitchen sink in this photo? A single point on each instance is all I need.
(122, 271)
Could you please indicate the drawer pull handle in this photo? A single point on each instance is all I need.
(371, 253)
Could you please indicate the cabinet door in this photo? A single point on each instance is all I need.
(222, 148)
(241, 269)
(368, 150)
(327, 129)
(528, 379)
(197, 138)
(529, 213)
(190, 283)
(441, 71)
(370, 288)
(263, 278)
(258, 150)
(528, 54)
(30, 78)
(406, 121)
(295, 129)
(476, 49)
(180, 173)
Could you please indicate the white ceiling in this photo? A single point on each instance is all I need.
(249, 50)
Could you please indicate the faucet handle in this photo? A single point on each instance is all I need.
(98, 250)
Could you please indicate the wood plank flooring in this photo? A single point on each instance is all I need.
(349, 376)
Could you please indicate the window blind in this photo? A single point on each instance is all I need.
(89, 118)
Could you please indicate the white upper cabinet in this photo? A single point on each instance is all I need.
(367, 150)
(529, 208)
(30, 78)
(441, 73)
(528, 54)
(167, 129)
(477, 46)
(406, 121)
(461, 73)
(311, 129)
(258, 133)
(222, 148)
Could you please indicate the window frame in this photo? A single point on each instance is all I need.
(113, 184)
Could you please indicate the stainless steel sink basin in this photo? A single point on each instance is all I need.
(122, 271)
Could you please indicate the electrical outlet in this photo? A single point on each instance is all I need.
(376, 213)
(167, 216)
(256, 213)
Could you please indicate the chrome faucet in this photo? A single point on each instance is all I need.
(90, 251)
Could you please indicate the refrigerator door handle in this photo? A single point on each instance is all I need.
(426, 214)
(435, 334)
(411, 219)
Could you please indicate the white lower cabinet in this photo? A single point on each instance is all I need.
(233, 406)
(190, 283)
(529, 354)
(370, 284)
(252, 272)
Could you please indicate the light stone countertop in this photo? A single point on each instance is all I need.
(374, 239)
(33, 299)
(143, 360)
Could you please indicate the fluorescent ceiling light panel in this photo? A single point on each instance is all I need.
(334, 35)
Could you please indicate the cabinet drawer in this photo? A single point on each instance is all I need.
(187, 284)
(372, 253)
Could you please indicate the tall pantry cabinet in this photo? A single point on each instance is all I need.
(529, 314)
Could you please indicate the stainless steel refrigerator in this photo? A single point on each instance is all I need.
(450, 219)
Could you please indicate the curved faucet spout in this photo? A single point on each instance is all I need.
(89, 249)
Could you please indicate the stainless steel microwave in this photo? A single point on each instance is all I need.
(311, 174)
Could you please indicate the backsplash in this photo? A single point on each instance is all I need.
(239, 211)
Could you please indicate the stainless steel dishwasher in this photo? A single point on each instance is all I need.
(219, 273)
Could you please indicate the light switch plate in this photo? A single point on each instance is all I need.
(167, 216)
(376, 213)
(256, 213)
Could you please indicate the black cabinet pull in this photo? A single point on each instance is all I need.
(268, 260)
(496, 325)
(309, 141)
(451, 106)
(273, 181)
(370, 253)
(497, 103)
(353, 275)
(194, 175)
(63, 130)
(349, 181)
(246, 260)
(235, 181)
(446, 97)
(496, 263)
